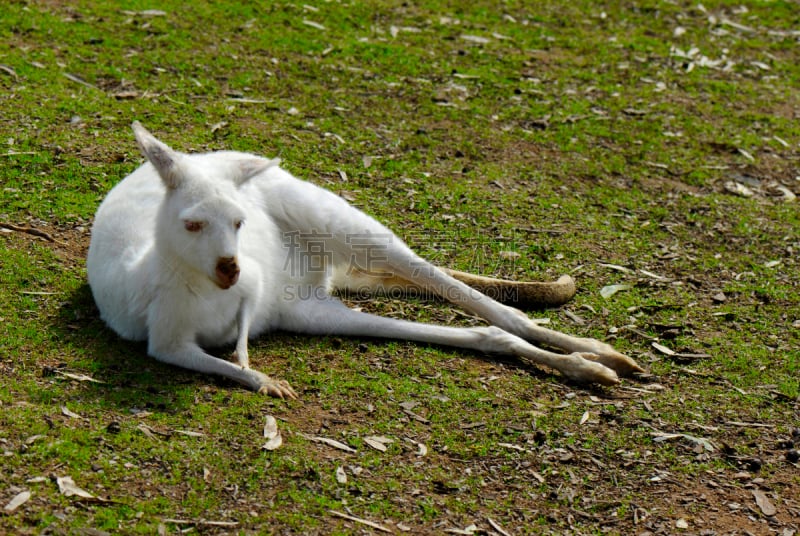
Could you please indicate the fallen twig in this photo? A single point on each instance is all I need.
(30, 231)
(366, 522)
(8, 70)
(78, 80)
(199, 522)
(330, 442)
(497, 527)
(77, 377)
(749, 424)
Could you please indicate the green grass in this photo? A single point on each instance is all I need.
(573, 135)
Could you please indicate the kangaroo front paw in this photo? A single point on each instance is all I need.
(277, 388)
(261, 383)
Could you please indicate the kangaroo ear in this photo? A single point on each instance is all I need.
(251, 167)
(164, 159)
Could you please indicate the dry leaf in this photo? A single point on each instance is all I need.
(378, 442)
(786, 194)
(512, 446)
(738, 189)
(271, 432)
(654, 276)
(341, 476)
(375, 444)
(763, 502)
(273, 443)
(31, 440)
(497, 527)
(18, 500)
(476, 39)
(70, 414)
(330, 442)
(746, 154)
(355, 470)
(575, 318)
(189, 433)
(270, 427)
(245, 100)
(146, 430)
(585, 417)
(781, 141)
(334, 136)
(422, 450)
(509, 255)
(313, 24)
(703, 442)
(610, 290)
(151, 13)
(126, 95)
(616, 267)
(663, 349)
(660, 437)
(736, 25)
(467, 531)
(68, 488)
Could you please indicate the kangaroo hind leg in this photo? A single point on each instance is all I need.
(510, 319)
(329, 316)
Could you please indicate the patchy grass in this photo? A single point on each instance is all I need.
(606, 141)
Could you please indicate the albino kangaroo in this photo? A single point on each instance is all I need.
(204, 250)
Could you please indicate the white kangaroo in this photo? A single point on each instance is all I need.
(205, 250)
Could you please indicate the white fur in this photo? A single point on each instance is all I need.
(155, 279)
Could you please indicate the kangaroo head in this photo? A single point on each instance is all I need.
(202, 212)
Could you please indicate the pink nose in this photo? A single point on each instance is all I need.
(227, 272)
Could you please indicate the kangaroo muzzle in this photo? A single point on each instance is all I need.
(227, 272)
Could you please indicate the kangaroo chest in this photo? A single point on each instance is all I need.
(214, 318)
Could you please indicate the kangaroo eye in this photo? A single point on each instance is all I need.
(238, 224)
(193, 226)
